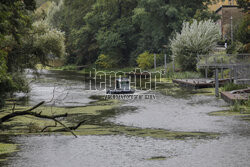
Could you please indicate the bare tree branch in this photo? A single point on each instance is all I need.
(28, 112)
(50, 126)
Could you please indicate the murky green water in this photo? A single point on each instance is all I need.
(231, 148)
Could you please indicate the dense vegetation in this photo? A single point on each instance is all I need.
(108, 33)
(25, 40)
(123, 29)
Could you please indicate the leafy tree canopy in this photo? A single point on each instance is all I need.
(123, 29)
(195, 38)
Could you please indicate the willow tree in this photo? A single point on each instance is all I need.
(195, 38)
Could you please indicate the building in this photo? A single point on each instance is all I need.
(230, 14)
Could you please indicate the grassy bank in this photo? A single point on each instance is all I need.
(239, 110)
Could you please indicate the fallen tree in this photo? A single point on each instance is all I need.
(39, 115)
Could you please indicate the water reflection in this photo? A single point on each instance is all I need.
(182, 115)
(113, 151)
(60, 88)
(232, 148)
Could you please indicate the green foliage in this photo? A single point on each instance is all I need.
(243, 31)
(235, 107)
(236, 47)
(24, 42)
(106, 62)
(38, 45)
(48, 40)
(232, 86)
(14, 23)
(122, 29)
(69, 67)
(206, 15)
(195, 38)
(146, 60)
(243, 4)
(7, 148)
(183, 75)
(3, 67)
(10, 84)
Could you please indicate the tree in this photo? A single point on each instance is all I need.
(158, 19)
(243, 32)
(14, 22)
(146, 60)
(243, 4)
(106, 29)
(123, 29)
(24, 43)
(195, 38)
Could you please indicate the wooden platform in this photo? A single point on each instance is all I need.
(237, 95)
(199, 83)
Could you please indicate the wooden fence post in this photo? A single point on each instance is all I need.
(206, 69)
(216, 83)
(173, 64)
(165, 63)
(155, 61)
(222, 70)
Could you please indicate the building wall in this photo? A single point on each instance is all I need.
(225, 21)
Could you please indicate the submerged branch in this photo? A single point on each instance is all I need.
(39, 115)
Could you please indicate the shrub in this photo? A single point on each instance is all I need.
(146, 60)
(236, 47)
(194, 38)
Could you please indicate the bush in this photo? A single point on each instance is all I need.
(146, 60)
(236, 47)
(195, 38)
(9, 85)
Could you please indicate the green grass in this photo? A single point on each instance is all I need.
(7, 148)
(232, 86)
(238, 109)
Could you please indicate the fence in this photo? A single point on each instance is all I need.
(237, 64)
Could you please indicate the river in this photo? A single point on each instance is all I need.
(230, 149)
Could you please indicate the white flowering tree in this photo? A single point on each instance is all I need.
(195, 38)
